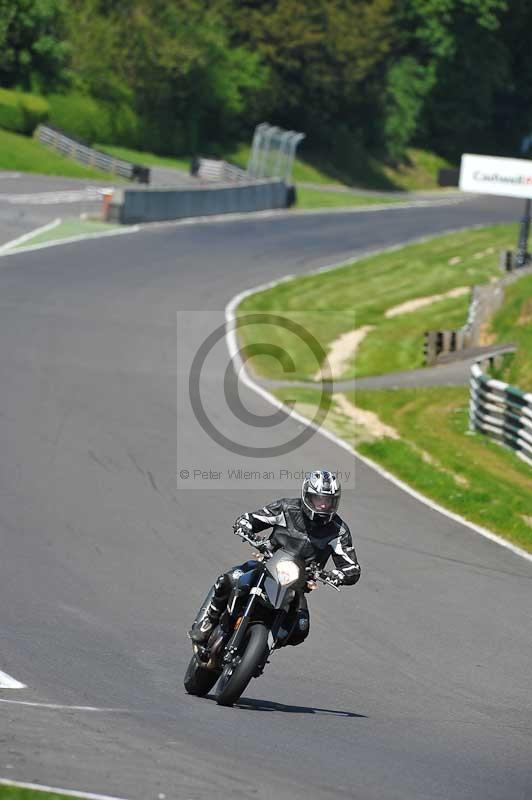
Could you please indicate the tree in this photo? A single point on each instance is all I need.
(323, 56)
(185, 79)
(448, 64)
(33, 53)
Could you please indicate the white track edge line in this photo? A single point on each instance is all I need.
(232, 346)
(7, 682)
(38, 787)
(59, 707)
(26, 236)
(70, 239)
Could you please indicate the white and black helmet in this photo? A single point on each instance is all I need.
(320, 494)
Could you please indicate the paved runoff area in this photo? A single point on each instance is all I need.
(30, 201)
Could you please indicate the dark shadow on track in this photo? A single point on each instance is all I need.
(250, 704)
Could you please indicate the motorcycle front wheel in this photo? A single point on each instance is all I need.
(236, 676)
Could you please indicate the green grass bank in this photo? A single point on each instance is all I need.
(435, 454)
(420, 435)
(332, 303)
(17, 793)
(514, 323)
(24, 154)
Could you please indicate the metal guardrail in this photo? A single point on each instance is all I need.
(211, 169)
(486, 299)
(59, 141)
(508, 261)
(502, 412)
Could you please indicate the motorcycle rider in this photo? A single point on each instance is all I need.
(312, 521)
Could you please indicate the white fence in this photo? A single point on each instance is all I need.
(92, 158)
(210, 169)
(502, 412)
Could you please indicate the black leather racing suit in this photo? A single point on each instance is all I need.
(318, 542)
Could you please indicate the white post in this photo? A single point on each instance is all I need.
(294, 141)
(268, 136)
(280, 167)
(255, 148)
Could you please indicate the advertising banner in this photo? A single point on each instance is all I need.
(511, 177)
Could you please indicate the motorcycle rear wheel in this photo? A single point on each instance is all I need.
(198, 680)
(235, 677)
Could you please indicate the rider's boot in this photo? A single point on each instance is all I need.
(208, 616)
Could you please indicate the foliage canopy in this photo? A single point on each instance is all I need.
(382, 75)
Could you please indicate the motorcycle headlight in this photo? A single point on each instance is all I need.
(287, 572)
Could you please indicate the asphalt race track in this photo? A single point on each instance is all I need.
(414, 684)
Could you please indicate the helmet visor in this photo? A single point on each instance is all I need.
(323, 503)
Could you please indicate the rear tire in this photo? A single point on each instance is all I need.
(254, 651)
(198, 680)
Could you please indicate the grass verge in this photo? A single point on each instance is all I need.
(23, 154)
(353, 166)
(514, 323)
(316, 198)
(331, 303)
(146, 158)
(66, 229)
(418, 172)
(16, 793)
(468, 474)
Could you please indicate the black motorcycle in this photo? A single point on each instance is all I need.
(252, 626)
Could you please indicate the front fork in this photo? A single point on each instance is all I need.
(232, 646)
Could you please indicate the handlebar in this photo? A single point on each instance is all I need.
(314, 573)
(320, 575)
(253, 542)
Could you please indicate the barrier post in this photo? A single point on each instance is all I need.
(522, 255)
(107, 196)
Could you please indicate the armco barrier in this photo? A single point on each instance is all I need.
(486, 299)
(156, 205)
(210, 169)
(508, 261)
(67, 146)
(502, 412)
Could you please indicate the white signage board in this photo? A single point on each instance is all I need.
(511, 177)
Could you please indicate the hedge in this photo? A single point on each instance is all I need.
(21, 112)
(92, 120)
(80, 116)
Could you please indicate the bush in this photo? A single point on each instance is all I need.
(80, 116)
(125, 126)
(21, 112)
(408, 84)
(83, 117)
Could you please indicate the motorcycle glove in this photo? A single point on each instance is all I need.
(336, 576)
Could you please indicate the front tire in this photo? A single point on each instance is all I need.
(198, 680)
(234, 679)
